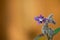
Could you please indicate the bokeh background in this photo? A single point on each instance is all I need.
(17, 18)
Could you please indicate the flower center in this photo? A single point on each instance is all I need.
(40, 19)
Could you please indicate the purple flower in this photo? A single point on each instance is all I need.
(39, 18)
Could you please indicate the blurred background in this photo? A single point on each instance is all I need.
(17, 18)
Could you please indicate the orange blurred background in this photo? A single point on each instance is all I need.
(20, 17)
